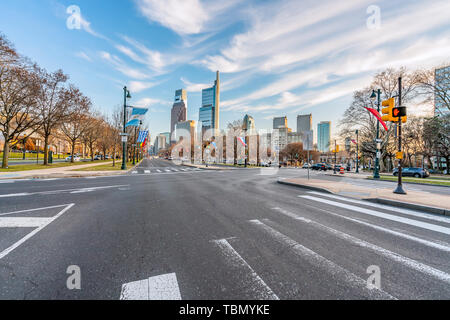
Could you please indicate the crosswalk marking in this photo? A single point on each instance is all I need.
(321, 262)
(381, 206)
(391, 217)
(384, 252)
(26, 223)
(253, 280)
(159, 171)
(434, 244)
(147, 171)
(163, 287)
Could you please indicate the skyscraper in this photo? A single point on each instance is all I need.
(304, 123)
(209, 114)
(179, 111)
(280, 123)
(442, 80)
(249, 123)
(324, 136)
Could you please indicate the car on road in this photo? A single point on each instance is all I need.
(98, 158)
(75, 159)
(413, 172)
(306, 166)
(319, 167)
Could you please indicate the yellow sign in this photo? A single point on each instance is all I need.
(399, 155)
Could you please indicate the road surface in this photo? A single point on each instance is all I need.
(174, 232)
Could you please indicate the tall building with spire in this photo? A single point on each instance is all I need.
(179, 112)
(209, 114)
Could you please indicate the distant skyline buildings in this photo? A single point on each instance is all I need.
(280, 123)
(179, 111)
(209, 113)
(324, 136)
(304, 123)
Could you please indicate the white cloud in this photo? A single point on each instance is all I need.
(149, 102)
(138, 86)
(194, 87)
(83, 55)
(120, 66)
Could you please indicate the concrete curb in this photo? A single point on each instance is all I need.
(202, 168)
(305, 186)
(395, 203)
(412, 206)
(417, 183)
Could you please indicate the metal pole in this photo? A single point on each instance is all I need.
(357, 151)
(124, 144)
(399, 189)
(307, 141)
(335, 156)
(37, 147)
(377, 160)
(134, 147)
(246, 146)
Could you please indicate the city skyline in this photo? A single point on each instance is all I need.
(266, 70)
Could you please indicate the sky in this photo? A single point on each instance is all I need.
(276, 58)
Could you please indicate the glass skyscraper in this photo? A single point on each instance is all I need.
(324, 136)
(442, 80)
(209, 112)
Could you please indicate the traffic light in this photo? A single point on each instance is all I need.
(400, 113)
(388, 111)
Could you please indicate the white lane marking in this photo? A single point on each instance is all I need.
(159, 171)
(321, 262)
(147, 171)
(92, 177)
(32, 210)
(434, 244)
(134, 172)
(174, 170)
(416, 223)
(163, 287)
(6, 181)
(413, 264)
(7, 251)
(381, 206)
(26, 222)
(52, 179)
(81, 190)
(168, 170)
(253, 280)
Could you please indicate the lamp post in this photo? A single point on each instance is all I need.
(357, 151)
(126, 95)
(374, 96)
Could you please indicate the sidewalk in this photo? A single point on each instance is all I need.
(434, 203)
(63, 172)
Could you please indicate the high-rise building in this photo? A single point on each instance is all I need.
(304, 123)
(280, 123)
(179, 111)
(324, 136)
(209, 114)
(442, 80)
(249, 123)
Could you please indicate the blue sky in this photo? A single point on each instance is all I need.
(277, 58)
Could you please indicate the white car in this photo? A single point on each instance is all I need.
(75, 159)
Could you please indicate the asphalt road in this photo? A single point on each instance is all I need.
(229, 234)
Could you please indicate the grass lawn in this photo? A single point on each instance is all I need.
(29, 156)
(29, 167)
(107, 167)
(416, 180)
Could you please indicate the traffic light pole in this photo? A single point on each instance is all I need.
(124, 143)
(377, 160)
(399, 189)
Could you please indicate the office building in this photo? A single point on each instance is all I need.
(249, 123)
(209, 114)
(324, 136)
(442, 80)
(304, 123)
(280, 123)
(179, 111)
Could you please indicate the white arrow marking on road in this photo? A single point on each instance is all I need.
(60, 191)
(147, 171)
(27, 223)
(163, 287)
(159, 171)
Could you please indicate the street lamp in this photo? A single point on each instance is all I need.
(374, 97)
(126, 95)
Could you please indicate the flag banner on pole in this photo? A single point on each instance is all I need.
(139, 111)
(142, 136)
(242, 141)
(354, 141)
(378, 116)
(133, 123)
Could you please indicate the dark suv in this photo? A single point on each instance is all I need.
(413, 172)
(319, 167)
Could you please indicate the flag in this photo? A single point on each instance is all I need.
(242, 141)
(354, 141)
(139, 111)
(142, 136)
(133, 123)
(214, 145)
(378, 116)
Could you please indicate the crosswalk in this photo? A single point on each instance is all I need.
(165, 170)
(400, 237)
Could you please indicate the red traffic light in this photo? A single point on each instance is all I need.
(399, 112)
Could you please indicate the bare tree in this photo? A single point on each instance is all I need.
(79, 119)
(53, 104)
(17, 98)
(92, 133)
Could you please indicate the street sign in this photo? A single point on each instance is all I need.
(124, 139)
(379, 155)
(308, 140)
(123, 134)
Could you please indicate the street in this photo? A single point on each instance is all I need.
(177, 232)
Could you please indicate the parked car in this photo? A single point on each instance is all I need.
(75, 159)
(306, 166)
(98, 158)
(413, 172)
(319, 167)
